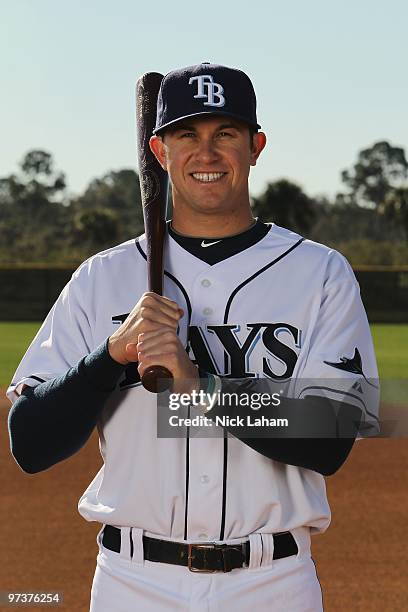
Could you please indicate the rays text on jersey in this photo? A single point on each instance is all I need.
(278, 344)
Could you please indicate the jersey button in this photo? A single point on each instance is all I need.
(205, 282)
(204, 479)
(203, 536)
(208, 311)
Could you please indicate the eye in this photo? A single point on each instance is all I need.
(223, 134)
(187, 135)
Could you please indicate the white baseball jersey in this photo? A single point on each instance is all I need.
(284, 307)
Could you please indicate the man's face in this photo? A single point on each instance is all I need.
(208, 161)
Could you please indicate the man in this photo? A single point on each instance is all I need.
(243, 300)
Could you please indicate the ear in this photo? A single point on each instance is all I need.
(258, 145)
(159, 150)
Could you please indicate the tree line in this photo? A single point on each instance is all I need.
(41, 223)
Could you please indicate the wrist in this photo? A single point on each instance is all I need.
(100, 369)
(190, 382)
(211, 385)
(115, 352)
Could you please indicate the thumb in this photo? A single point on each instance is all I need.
(131, 351)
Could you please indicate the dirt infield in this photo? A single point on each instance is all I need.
(361, 560)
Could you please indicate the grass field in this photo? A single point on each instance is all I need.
(14, 340)
(391, 345)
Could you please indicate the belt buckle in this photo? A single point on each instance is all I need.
(190, 558)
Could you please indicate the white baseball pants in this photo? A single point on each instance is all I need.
(125, 584)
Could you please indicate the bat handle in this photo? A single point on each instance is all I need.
(157, 379)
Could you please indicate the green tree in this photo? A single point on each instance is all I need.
(284, 203)
(33, 220)
(395, 207)
(117, 191)
(379, 170)
(97, 226)
(340, 222)
(39, 164)
(373, 253)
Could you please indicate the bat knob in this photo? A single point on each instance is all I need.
(157, 379)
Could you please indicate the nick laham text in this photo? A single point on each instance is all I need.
(227, 421)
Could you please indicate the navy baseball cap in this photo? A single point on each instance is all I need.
(205, 89)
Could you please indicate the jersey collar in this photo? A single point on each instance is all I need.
(213, 250)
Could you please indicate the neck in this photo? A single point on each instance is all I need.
(212, 224)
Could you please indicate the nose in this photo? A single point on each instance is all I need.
(206, 151)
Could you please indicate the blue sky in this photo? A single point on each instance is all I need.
(330, 78)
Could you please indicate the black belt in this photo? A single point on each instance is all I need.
(201, 557)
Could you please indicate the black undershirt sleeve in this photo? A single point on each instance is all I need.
(319, 436)
(52, 421)
(322, 455)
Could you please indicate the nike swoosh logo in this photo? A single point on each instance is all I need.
(207, 244)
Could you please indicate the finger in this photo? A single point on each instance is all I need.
(151, 327)
(158, 344)
(156, 338)
(131, 347)
(160, 298)
(158, 316)
(150, 322)
(131, 351)
(167, 360)
(165, 304)
(161, 332)
(156, 352)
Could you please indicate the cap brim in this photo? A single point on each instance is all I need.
(159, 129)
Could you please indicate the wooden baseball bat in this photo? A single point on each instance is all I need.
(154, 186)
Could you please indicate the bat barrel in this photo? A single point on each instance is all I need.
(154, 192)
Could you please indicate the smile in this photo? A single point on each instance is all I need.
(208, 177)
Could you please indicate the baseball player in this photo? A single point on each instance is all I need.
(195, 522)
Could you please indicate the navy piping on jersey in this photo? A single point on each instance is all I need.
(41, 380)
(173, 278)
(224, 485)
(131, 542)
(251, 278)
(38, 378)
(226, 315)
(246, 239)
(187, 476)
(187, 299)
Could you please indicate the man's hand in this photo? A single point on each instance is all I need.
(152, 312)
(163, 347)
(149, 335)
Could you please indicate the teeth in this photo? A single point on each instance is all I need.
(208, 177)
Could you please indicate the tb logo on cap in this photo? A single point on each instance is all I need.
(207, 88)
